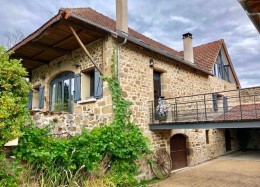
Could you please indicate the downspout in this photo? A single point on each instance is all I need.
(118, 59)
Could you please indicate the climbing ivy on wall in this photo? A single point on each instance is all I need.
(121, 141)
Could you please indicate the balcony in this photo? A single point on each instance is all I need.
(211, 110)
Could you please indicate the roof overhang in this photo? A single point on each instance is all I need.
(252, 8)
(206, 125)
(55, 39)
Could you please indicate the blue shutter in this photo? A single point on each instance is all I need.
(98, 85)
(41, 97)
(225, 104)
(77, 87)
(30, 95)
(215, 101)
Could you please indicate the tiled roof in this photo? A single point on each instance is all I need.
(205, 55)
(245, 112)
(100, 19)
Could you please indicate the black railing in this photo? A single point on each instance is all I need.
(232, 105)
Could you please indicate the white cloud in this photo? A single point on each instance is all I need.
(164, 21)
(181, 19)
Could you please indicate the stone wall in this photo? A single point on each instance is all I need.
(136, 80)
(88, 113)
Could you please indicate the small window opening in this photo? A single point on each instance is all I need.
(88, 84)
(35, 97)
(207, 136)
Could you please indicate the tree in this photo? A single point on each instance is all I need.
(14, 91)
(9, 39)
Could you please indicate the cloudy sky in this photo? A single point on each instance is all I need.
(164, 21)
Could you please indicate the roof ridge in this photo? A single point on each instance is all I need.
(134, 32)
(209, 43)
(220, 40)
(93, 11)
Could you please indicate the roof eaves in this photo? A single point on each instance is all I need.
(93, 24)
(141, 43)
(36, 33)
(252, 16)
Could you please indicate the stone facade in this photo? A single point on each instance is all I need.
(89, 112)
(136, 80)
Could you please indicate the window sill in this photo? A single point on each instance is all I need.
(36, 110)
(88, 100)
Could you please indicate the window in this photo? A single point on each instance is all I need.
(62, 92)
(220, 69)
(157, 90)
(36, 98)
(207, 136)
(91, 84)
(157, 85)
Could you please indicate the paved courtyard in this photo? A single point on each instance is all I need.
(234, 170)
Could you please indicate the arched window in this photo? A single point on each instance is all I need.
(62, 92)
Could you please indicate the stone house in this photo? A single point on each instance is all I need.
(69, 92)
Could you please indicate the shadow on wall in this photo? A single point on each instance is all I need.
(249, 139)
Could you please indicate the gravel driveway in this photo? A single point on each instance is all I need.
(234, 170)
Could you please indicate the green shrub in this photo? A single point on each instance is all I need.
(13, 97)
(122, 142)
(13, 111)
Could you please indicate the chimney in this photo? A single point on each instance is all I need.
(188, 48)
(121, 16)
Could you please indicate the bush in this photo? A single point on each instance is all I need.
(13, 111)
(122, 142)
(13, 97)
(123, 146)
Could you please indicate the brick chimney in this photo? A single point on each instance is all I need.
(187, 47)
(121, 16)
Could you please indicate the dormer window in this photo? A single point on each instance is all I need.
(220, 69)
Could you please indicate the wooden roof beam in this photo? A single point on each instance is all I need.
(67, 39)
(32, 60)
(47, 47)
(85, 49)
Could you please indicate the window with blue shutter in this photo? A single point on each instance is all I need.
(225, 104)
(98, 85)
(41, 97)
(220, 69)
(30, 100)
(77, 87)
(215, 101)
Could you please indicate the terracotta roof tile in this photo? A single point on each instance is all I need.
(100, 19)
(205, 55)
(248, 111)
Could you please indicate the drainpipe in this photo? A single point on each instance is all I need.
(118, 59)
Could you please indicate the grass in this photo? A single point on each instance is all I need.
(60, 177)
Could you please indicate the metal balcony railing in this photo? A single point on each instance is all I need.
(232, 105)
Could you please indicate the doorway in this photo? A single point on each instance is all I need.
(228, 140)
(178, 151)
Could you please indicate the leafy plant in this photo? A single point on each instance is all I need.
(14, 91)
(13, 110)
(122, 142)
